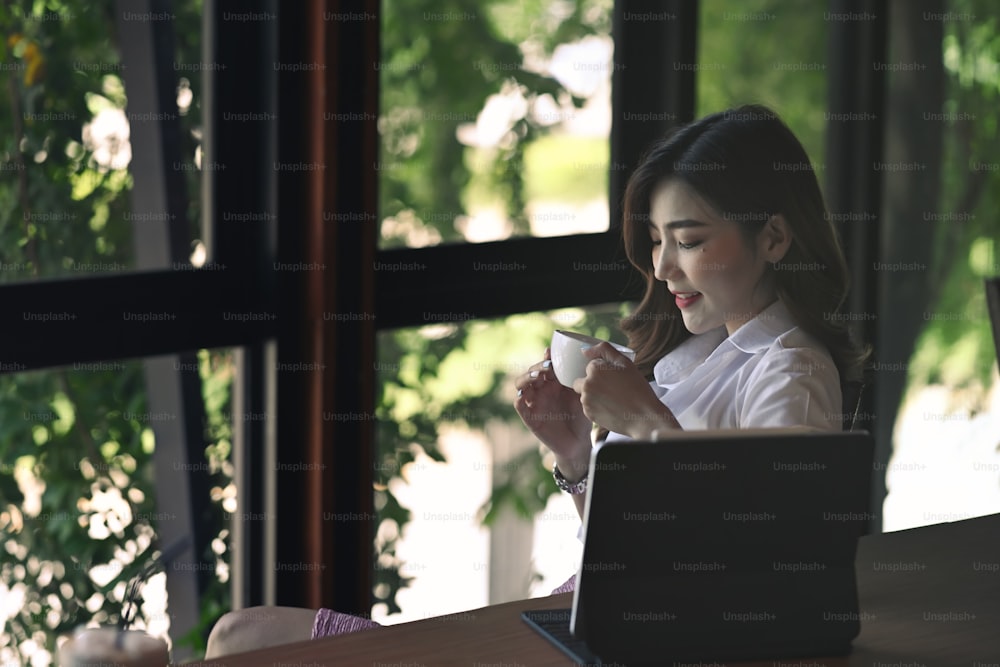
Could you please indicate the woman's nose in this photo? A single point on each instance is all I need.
(666, 265)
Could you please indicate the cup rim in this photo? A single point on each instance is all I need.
(577, 336)
(584, 338)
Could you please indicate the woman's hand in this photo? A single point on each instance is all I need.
(554, 414)
(617, 397)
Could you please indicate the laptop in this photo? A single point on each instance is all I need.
(718, 545)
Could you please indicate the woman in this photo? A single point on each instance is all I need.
(737, 328)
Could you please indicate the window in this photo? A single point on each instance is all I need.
(446, 421)
(494, 121)
(437, 298)
(945, 460)
(83, 90)
(71, 338)
(86, 505)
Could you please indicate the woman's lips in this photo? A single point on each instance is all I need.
(685, 299)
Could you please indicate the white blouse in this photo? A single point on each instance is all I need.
(769, 373)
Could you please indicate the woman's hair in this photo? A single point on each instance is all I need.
(748, 166)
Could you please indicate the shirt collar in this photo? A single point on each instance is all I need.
(684, 358)
(755, 336)
(759, 333)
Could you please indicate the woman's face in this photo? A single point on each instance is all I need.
(706, 262)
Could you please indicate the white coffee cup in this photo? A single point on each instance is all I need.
(568, 361)
(111, 646)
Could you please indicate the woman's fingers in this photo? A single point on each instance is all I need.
(605, 353)
(538, 387)
(542, 371)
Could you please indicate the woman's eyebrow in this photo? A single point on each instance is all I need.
(678, 224)
(686, 222)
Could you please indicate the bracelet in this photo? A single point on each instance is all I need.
(572, 488)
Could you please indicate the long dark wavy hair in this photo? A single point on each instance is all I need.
(748, 166)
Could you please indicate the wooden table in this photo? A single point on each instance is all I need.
(930, 597)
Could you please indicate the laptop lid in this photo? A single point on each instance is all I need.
(723, 545)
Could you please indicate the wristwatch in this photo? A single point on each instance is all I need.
(572, 488)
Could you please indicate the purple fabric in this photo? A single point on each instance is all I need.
(567, 587)
(329, 623)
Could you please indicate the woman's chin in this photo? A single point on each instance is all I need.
(697, 325)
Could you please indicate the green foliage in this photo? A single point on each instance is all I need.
(77, 499)
(83, 457)
(572, 169)
(436, 75)
(77, 440)
(956, 346)
(59, 204)
(770, 52)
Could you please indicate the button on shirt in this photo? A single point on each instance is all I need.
(769, 373)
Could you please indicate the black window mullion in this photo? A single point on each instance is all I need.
(856, 126)
(239, 163)
(59, 322)
(653, 81)
(463, 282)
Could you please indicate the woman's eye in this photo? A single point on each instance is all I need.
(688, 246)
(656, 242)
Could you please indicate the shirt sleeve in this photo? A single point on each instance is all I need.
(792, 387)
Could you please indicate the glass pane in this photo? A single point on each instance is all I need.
(771, 52)
(946, 460)
(446, 420)
(66, 132)
(80, 511)
(494, 120)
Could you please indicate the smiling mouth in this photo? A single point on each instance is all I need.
(685, 299)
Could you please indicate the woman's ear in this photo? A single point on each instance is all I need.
(775, 239)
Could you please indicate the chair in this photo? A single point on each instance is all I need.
(851, 393)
